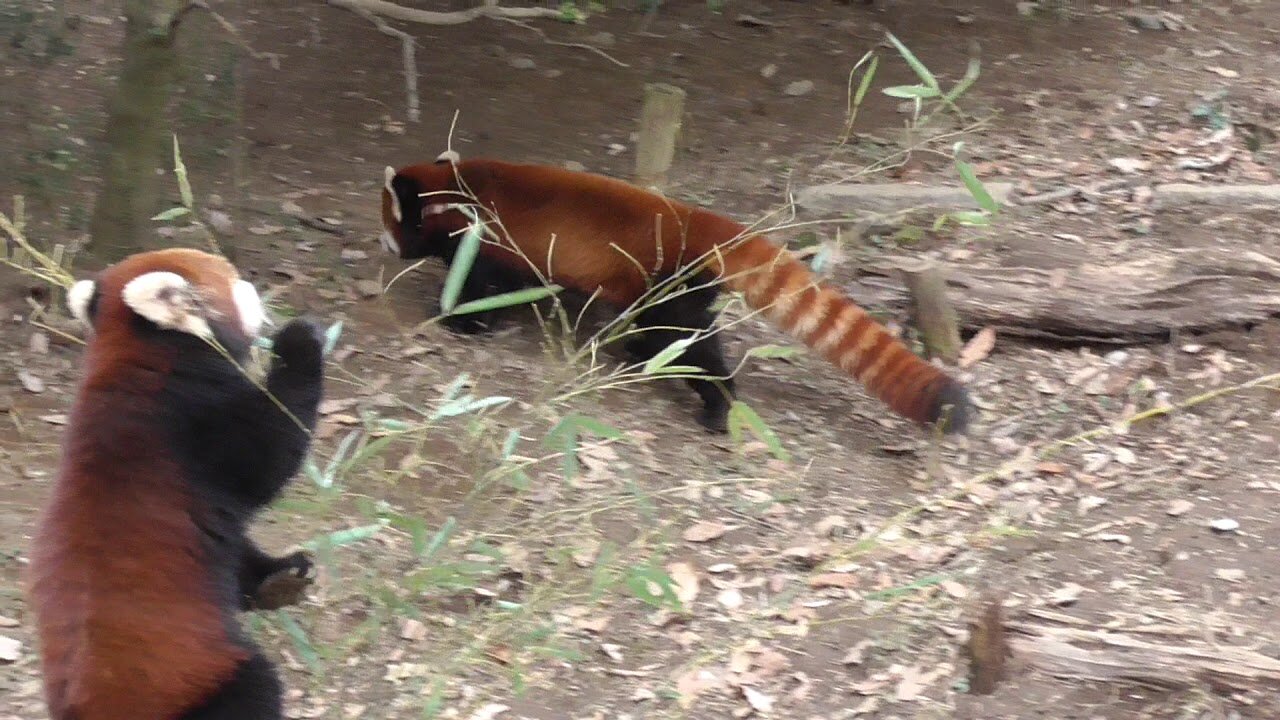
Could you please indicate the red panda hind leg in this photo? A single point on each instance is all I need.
(684, 314)
(253, 692)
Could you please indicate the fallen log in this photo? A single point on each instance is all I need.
(1142, 300)
(1107, 656)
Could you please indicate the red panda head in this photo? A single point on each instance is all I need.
(173, 290)
(417, 216)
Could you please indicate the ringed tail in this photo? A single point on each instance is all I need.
(785, 290)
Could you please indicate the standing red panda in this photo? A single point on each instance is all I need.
(594, 234)
(141, 558)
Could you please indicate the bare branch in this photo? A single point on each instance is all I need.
(490, 8)
(227, 26)
(408, 49)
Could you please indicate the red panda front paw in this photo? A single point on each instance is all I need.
(286, 586)
(300, 345)
(469, 324)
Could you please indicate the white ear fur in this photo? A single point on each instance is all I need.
(248, 307)
(167, 300)
(387, 174)
(78, 299)
(389, 243)
(450, 156)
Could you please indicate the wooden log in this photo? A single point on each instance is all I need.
(1106, 656)
(659, 130)
(1137, 300)
(931, 311)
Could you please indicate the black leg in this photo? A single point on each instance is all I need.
(268, 582)
(485, 279)
(680, 317)
(253, 693)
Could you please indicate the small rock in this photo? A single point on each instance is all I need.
(730, 599)
(1224, 525)
(522, 63)
(1146, 21)
(353, 255)
(1148, 101)
(603, 39)
(1179, 507)
(368, 288)
(39, 343)
(1066, 595)
(797, 88)
(575, 166)
(413, 630)
(553, 73)
(616, 148)
(768, 71)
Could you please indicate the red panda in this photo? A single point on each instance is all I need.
(141, 559)
(597, 235)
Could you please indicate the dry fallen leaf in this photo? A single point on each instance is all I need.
(704, 531)
(10, 649)
(685, 578)
(30, 381)
(978, 347)
(692, 684)
(489, 711)
(833, 580)
(758, 701)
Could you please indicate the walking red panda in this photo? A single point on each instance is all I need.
(140, 559)
(594, 234)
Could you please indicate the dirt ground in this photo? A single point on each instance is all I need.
(469, 570)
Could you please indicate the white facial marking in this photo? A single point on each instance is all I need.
(450, 156)
(388, 174)
(167, 300)
(248, 307)
(78, 299)
(389, 243)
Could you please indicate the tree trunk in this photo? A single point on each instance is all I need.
(135, 143)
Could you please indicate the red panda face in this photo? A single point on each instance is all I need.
(180, 290)
(419, 216)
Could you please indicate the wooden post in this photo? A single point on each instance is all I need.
(934, 315)
(659, 127)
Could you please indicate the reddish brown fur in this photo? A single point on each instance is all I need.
(582, 216)
(116, 562)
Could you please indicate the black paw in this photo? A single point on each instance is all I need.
(286, 586)
(300, 346)
(638, 349)
(469, 324)
(714, 419)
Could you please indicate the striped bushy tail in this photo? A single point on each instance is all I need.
(786, 291)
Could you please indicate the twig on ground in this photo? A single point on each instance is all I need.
(228, 27)
(489, 8)
(581, 46)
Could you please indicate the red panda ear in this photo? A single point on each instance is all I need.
(448, 156)
(168, 300)
(82, 300)
(389, 174)
(249, 307)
